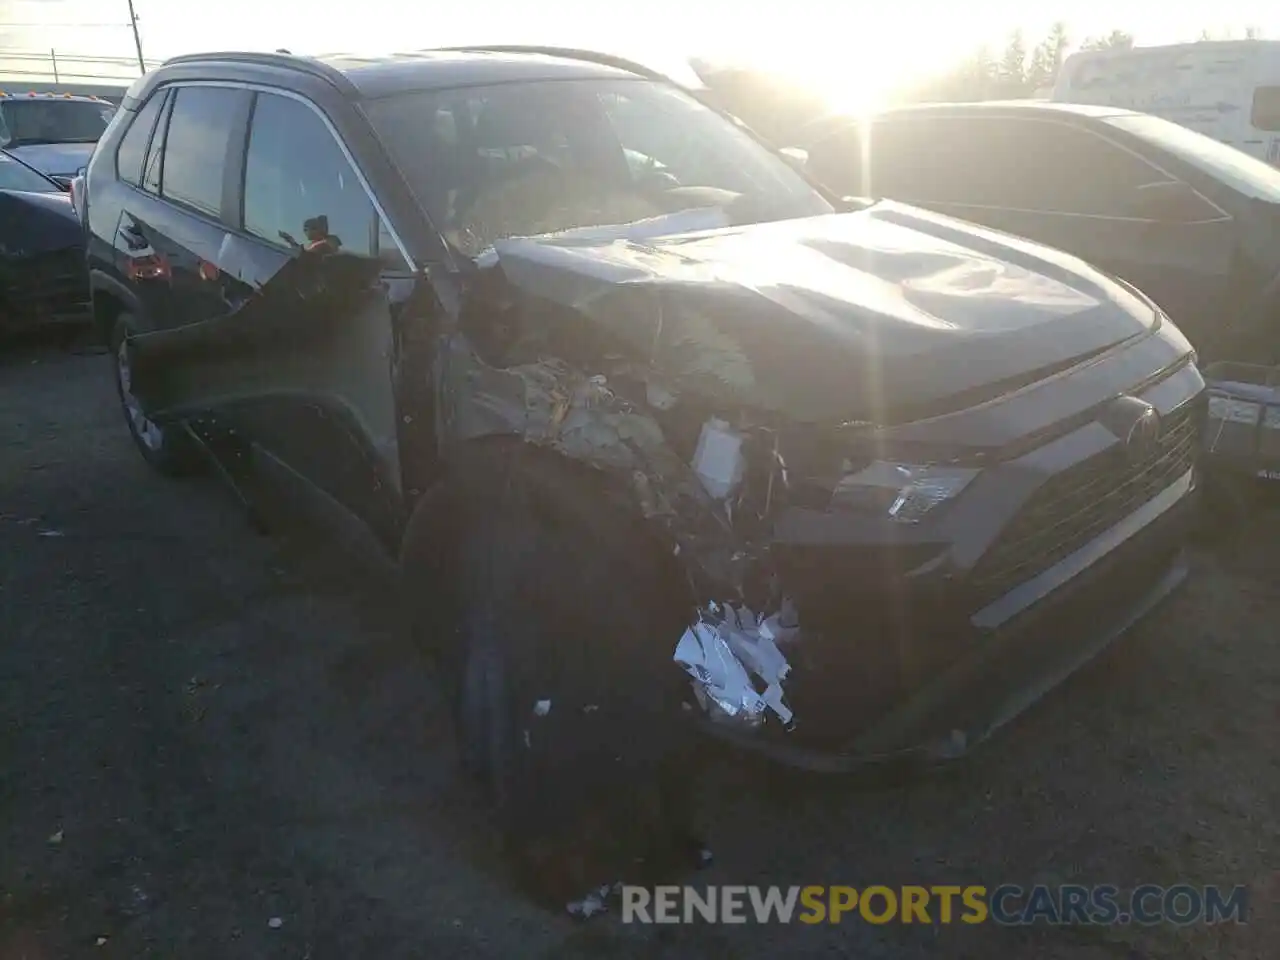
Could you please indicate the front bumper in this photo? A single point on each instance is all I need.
(1090, 598)
(925, 643)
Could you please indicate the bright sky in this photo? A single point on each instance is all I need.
(856, 56)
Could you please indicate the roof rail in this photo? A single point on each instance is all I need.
(568, 53)
(284, 61)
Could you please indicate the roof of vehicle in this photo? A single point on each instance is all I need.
(373, 77)
(1006, 108)
(1208, 48)
(36, 95)
(981, 108)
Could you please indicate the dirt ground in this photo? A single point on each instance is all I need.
(203, 730)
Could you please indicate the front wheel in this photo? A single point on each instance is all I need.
(554, 626)
(165, 447)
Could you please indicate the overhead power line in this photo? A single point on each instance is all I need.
(131, 24)
(68, 24)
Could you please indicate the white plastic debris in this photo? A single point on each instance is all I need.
(597, 901)
(542, 708)
(101, 941)
(56, 838)
(718, 459)
(731, 659)
(275, 923)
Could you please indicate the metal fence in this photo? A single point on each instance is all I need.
(54, 66)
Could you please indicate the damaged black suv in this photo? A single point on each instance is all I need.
(656, 430)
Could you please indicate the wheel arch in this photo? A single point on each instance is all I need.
(580, 497)
(110, 299)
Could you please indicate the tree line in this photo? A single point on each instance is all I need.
(1025, 70)
(781, 108)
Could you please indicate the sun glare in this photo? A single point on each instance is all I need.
(853, 79)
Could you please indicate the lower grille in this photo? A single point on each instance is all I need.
(1081, 503)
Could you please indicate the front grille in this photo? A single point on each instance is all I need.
(1082, 502)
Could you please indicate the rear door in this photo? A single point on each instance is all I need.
(1067, 186)
(172, 223)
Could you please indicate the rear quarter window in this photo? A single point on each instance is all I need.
(133, 146)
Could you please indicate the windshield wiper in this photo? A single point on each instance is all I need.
(47, 141)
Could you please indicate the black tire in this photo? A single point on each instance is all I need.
(167, 448)
(543, 592)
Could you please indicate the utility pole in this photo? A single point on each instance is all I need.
(137, 40)
(53, 55)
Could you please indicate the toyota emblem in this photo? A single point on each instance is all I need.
(1144, 435)
(1136, 423)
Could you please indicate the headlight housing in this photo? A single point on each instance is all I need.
(901, 492)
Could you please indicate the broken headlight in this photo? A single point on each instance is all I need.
(903, 492)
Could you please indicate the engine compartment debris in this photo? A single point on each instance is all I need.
(718, 460)
(663, 418)
(734, 659)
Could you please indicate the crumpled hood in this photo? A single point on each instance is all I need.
(884, 314)
(55, 159)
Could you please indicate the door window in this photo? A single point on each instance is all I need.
(133, 146)
(201, 128)
(300, 191)
(1032, 165)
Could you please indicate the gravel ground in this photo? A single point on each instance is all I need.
(203, 729)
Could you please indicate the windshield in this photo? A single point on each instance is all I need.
(52, 121)
(525, 159)
(1234, 167)
(15, 176)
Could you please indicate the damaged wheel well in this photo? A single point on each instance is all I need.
(106, 308)
(568, 496)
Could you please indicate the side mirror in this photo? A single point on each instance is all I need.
(853, 204)
(797, 157)
(1168, 201)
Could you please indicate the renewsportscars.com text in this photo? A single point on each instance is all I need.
(1008, 904)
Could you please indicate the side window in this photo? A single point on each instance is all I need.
(1019, 164)
(299, 189)
(924, 161)
(202, 122)
(155, 158)
(133, 146)
(1266, 109)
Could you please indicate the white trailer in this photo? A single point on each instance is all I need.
(1226, 89)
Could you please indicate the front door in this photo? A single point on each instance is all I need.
(303, 364)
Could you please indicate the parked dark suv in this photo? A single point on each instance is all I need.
(654, 428)
(1193, 222)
